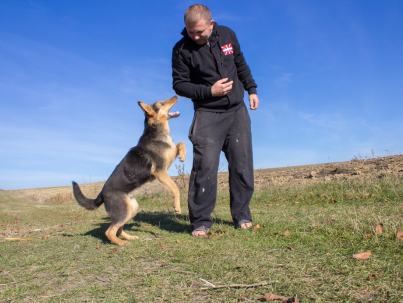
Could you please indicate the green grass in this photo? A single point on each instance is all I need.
(327, 226)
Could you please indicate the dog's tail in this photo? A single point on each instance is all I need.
(89, 204)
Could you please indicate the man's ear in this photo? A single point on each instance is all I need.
(147, 109)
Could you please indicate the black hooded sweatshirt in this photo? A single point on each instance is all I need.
(195, 69)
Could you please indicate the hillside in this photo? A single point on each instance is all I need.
(264, 178)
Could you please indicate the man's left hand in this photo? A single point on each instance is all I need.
(253, 101)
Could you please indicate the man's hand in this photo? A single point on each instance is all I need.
(253, 101)
(220, 88)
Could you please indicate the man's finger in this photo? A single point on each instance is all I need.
(254, 102)
(227, 89)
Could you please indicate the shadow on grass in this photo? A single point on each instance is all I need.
(142, 221)
(164, 221)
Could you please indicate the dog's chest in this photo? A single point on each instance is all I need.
(172, 150)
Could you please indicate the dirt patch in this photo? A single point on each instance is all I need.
(264, 178)
(304, 175)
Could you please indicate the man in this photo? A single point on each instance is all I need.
(209, 68)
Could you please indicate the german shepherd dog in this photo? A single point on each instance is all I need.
(150, 159)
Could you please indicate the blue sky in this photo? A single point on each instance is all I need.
(329, 77)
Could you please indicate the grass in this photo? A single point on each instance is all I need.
(70, 258)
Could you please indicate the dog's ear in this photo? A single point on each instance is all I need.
(147, 109)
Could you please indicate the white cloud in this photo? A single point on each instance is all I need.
(335, 121)
(283, 80)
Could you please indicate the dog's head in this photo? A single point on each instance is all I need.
(158, 113)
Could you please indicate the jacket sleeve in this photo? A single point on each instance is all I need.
(243, 70)
(181, 79)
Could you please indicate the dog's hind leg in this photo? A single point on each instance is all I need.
(121, 209)
(112, 232)
(126, 236)
(134, 208)
(181, 151)
(166, 180)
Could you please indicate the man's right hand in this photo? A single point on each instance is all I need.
(220, 88)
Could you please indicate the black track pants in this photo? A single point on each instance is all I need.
(211, 133)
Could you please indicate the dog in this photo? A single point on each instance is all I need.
(150, 159)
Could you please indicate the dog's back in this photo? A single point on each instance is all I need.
(133, 171)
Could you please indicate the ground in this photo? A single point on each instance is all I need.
(309, 224)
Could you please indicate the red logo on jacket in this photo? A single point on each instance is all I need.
(227, 49)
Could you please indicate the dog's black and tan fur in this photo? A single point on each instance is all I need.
(150, 159)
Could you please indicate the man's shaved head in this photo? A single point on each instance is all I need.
(196, 12)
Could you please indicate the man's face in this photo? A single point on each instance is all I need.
(200, 31)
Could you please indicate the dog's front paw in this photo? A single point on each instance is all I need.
(181, 151)
(178, 211)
